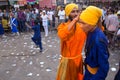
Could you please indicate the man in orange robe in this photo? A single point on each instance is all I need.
(72, 41)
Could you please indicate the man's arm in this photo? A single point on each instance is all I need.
(28, 25)
(64, 30)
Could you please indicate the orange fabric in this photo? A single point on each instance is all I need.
(72, 43)
(103, 28)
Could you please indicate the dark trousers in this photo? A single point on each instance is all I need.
(37, 41)
(22, 27)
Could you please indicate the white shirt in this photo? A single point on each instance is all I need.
(61, 14)
(50, 14)
(112, 22)
(44, 18)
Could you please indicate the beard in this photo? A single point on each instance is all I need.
(71, 18)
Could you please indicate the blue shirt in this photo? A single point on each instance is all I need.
(37, 33)
(98, 54)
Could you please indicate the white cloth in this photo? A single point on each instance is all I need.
(46, 30)
(118, 33)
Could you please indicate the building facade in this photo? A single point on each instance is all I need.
(3, 2)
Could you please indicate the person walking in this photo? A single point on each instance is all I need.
(96, 48)
(45, 22)
(112, 25)
(72, 39)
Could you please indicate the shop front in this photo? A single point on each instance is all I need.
(4, 4)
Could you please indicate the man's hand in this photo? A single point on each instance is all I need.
(77, 18)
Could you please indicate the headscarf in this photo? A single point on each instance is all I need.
(69, 8)
(91, 15)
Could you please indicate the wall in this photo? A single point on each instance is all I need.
(47, 3)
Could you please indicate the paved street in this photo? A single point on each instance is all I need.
(21, 60)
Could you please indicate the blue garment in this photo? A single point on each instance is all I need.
(14, 25)
(37, 36)
(97, 56)
(1, 29)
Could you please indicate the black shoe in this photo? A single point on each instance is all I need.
(41, 50)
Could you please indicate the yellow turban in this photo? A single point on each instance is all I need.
(91, 15)
(69, 8)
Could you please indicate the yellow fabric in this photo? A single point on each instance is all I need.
(72, 43)
(91, 15)
(69, 8)
(103, 28)
(5, 24)
(92, 70)
(63, 67)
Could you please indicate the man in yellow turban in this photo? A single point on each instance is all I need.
(97, 53)
(72, 39)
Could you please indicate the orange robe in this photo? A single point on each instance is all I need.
(72, 42)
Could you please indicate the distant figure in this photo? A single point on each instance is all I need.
(61, 14)
(5, 22)
(45, 22)
(1, 30)
(14, 24)
(112, 25)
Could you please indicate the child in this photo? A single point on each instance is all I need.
(37, 35)
(14, 24)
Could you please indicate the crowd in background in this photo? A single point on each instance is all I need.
(50, 18)
(27, 16)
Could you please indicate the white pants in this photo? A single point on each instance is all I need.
(45, 26)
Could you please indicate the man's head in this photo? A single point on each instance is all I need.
(71, 10)
(61, 8)
(90, 17)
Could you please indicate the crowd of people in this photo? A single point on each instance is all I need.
(91, 30)
(18, 17)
